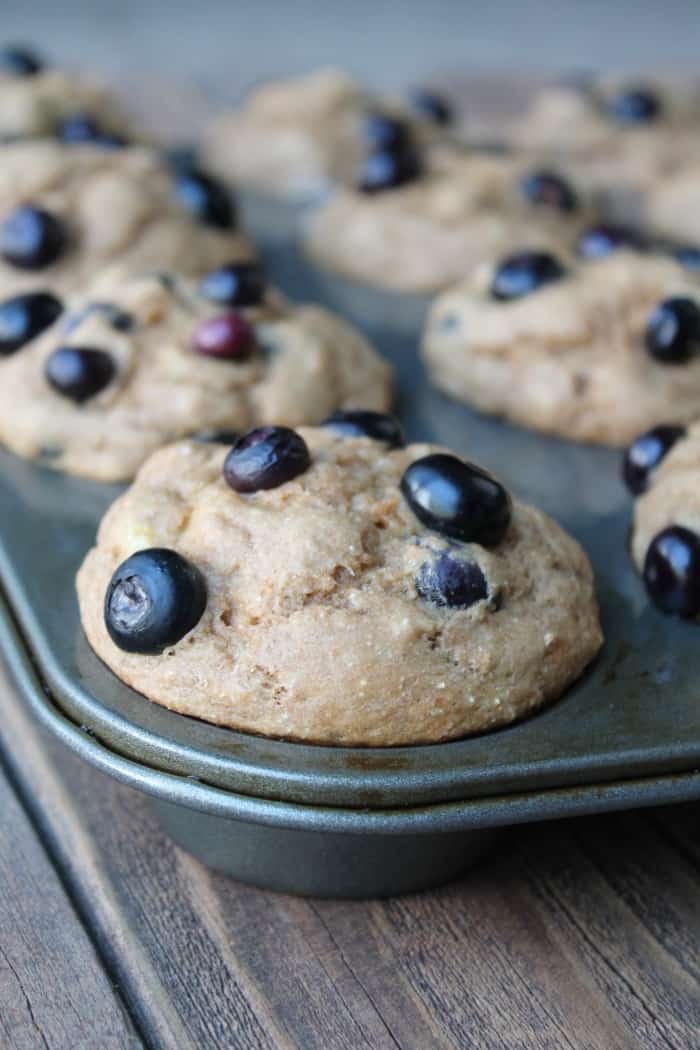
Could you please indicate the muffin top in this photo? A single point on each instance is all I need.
(135, 362)
(322, 585)
(67, 211)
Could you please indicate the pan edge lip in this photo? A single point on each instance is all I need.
(454, 816)
(274, 780)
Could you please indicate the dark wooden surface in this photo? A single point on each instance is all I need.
(575, 934)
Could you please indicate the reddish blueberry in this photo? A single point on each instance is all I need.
(226, 336)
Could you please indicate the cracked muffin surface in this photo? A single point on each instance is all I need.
(576, 356)
(67, 211)
(332, 613)
(137, 362)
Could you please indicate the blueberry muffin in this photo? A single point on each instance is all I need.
(328, 585)
(619, 136)
(294, 137)
(139, 361)
(583, 115)
(67, 211)
(38, 101)
(661, 468)
(671, 207)
(417, 223)
(596, 351)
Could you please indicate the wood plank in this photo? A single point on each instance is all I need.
(53, 989)
(575, 934)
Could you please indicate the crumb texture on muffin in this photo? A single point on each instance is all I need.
(323, 620)
(571, 358)
(294, 365)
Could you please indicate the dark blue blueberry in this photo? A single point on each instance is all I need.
(524, 273)
(457, 499)
(673, 331)
(153, 599)
(687, 255)
(382, 132)
(19, 62)
(601, 240)
(81, 128)
(216, 437)
(31, 238)
(236, 284)
(388, 169)
(549, 189)
(207, 199)
(376, 425)
(79, 372)
(635, 106)
(645, 453)
(447, 581)
(431, 106)
(266, 458)
(24, 317)
(672, 571)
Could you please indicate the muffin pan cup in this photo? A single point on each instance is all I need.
(320, 851)
(358, 821)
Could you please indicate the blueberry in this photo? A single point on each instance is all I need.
(207, 199)
(387, 169)
(448, 581)
(672, 571)
(635, 106)
(81, 128)
(382, 132)
(24, 317)
(266, 458)
(524, 273)
(31, 238)
(645, 453)
(688, 255)
(216, 436)
(549, 189)
(236, 284)
(79, 372)
(153, 599)
(673, 331)
(457, 499)
(357, 423)
(601, 240)
(227, 336)
(431, 106)
(19, 62)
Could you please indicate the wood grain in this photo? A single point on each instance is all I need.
(573, 935)
(53, 990)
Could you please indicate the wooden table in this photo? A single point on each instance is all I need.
(572, 934)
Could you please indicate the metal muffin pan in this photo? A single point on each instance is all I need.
(358, 821)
